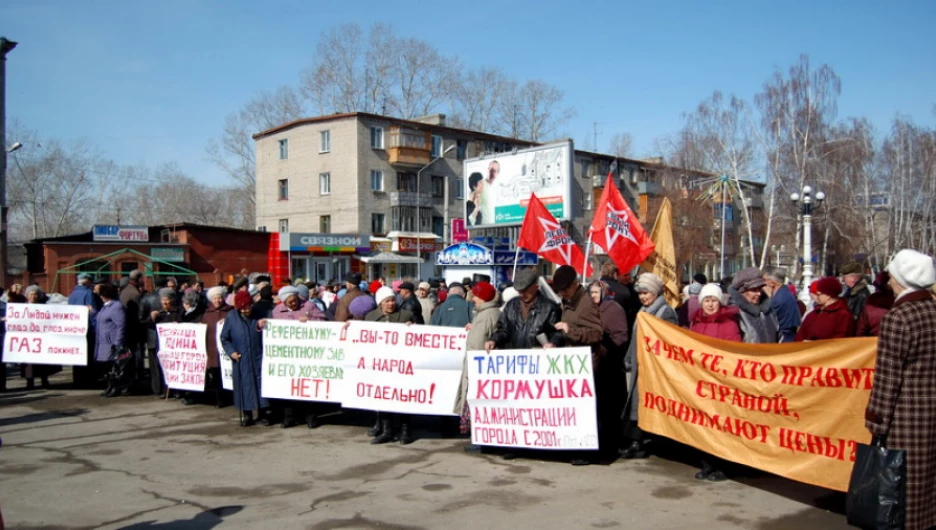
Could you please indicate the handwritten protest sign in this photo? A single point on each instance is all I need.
(303, 360)
(540, 399)
(183, 355)
(225, 362)
(46, 334)
(793, 409)
(409, 369)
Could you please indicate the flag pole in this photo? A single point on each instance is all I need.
(516, 258)
(585, 261)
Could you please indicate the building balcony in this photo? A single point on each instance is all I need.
(408, 147)
(409, 198)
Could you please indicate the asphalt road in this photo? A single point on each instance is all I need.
(73, 460)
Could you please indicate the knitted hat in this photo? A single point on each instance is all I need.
(814, 287)
(425, 285)
(374, 286)
(913, 270)
(242, 299)
(710, 289)
(509, 294)
(649, 283)
(253, 290)
(748, 279)
(484, 291)
(361, 306)
(829, 286)
(303, 292)
(564, 277)
(395, 285)
(286, 292)
(524, 279)
(382, 294)
(216, 291)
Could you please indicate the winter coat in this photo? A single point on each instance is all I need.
(876, 306)
(721, 325)
(454, 312)
(307, 310)
(482, 326)
(788, 313)
(626, 297)
(758, 321)
(194, 316)
(584, 320)
(411, 304)
(212, 316)
(513, 332)
(83, 295)
(830, 322)
(262, 309)
(342, 314)
(660, 309)
(856, 297)
(428, 306)
(903, 398)
(149, 303)
(243, 336)
(615, 330)
(109, 331)
(130, 297)
(398, 316)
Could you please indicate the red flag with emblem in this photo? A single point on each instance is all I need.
(542, 234)
(615, 229)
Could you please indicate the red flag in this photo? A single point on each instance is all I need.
(542, 234)
(615, 229)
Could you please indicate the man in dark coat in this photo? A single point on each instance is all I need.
(84, 376)
(857, 291)
(455, 311)
(167, 313)
(410, 303)
(149, 303)
(130, 297)
(243, 338)
(622, 291)
(902, 407)
(525, 317)
(783, 303)
(353, 290)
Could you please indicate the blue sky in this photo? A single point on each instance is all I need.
(152, 82)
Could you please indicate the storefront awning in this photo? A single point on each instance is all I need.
(391, 257)
(396, 234)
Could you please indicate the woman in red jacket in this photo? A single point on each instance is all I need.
(831, 318)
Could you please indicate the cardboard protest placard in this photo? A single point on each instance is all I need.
(794, 409)
(225, 362)
(303, 360)
(398, 368)
(46, 334)
(537, 399)
(183, 355)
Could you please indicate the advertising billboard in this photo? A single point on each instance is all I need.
(497, 187)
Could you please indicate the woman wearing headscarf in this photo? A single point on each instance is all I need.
(876, 306)
(292, 308)
(387, 311)
(758, 321)
(649, 289)
(902, 408)
(215, 313)
(109, 334)
(242, 338)
(830, 318)
(719, 322)
(167, 314)
(483, 324)
(609, 379)
(34, 295)
(192, 313)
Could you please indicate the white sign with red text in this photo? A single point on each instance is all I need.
(303, 361)
(183, 355)
(46, 334)
(398, 368)
(225, 362)
(537, 399)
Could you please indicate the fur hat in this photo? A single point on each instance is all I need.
(425, 285)
(484, 291)
(829, 286)
(913, 270)
(382, 294)
(216, 291)
(564, 277)
(287, 291)
(361, 306)
(242, 299)
(748, 279)
(649, 283)
(525, 278)
(710, 289)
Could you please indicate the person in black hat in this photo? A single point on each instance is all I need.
(410, 303)
(353, 290)
(526, 316)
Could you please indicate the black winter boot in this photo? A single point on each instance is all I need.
(377, 429)
(386, 433)
(406, 436)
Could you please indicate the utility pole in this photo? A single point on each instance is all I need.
(6, 46)
(595, 128)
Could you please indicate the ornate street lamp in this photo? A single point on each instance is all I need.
(805, 202)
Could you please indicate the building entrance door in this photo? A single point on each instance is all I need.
(329, 269)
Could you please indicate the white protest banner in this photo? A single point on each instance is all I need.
(397, 368)
(225, 362)
(303, 360)
(537, 399)
(183, 355)
(46, 334)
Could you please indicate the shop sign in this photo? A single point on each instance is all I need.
(465, 254)
(412, 244)
(120, 233)
(172, 255)
(502, 257)
(302, 242)
(459, 232)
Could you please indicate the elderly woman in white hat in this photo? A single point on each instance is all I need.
(649, 289)
(388, 311)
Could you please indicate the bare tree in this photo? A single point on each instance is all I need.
(422, 79)
(621, 145)
(476, 99)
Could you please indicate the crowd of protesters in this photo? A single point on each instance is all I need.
(752, 307)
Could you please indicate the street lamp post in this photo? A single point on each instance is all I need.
(6, 46)
(418, 201)
(806, 206)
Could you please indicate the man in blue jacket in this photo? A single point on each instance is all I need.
(783, 303)
(455, 311)
(84, 376)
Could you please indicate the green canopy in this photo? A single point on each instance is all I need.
(107, 260)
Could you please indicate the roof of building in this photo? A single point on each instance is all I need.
(89, 235)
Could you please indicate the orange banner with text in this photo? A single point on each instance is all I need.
(794, 409)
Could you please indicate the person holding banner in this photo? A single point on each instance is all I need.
(649, 290)
(243, 337)
(34, 295)
(84, 376)
(168, 313)
(527, 321)
(758, 320)
(611, 374)
(215, 313)
(483, 324)
(831, 318)
(387, 311)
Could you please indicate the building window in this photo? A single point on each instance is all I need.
(438, 186)
(459, 188)
(406, 182)
(324, 141)
(283, 225)
(284, 149)
(378, 223)
(376, 180)
(436, 146)
(324, 183)
(717, 210)
(283, 189)
(376, 137)
(325, 224)
(438, 226)
(462, 149)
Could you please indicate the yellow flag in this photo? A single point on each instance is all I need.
(663, 260)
